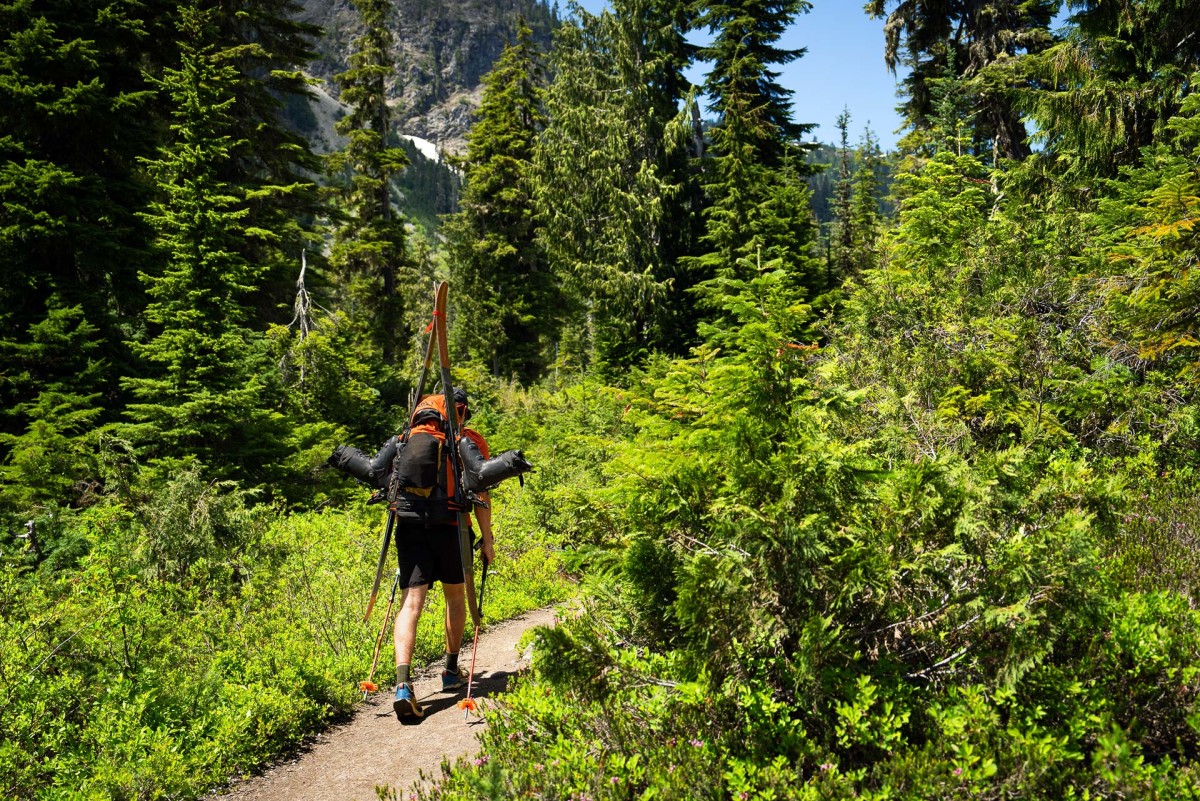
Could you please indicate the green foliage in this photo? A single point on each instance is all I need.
(201, 637)
(960, 70)
(757, 216)
(370, 247)
(614, 193)
(205, 384)
(53, 454)
(944, 555)
(753, 109)
(1151, 224)
(509, 313)
(1108, 89)
(929, 535)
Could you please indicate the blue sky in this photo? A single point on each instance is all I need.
(843, 69)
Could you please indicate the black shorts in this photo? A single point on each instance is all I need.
(428, 553)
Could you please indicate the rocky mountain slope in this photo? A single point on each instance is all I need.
(445, 47)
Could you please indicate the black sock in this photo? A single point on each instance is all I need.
(451, 663)
(401, 674)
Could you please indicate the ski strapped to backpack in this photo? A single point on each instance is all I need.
(421, 478)
(439, 301)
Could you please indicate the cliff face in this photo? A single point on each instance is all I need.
(444, 48)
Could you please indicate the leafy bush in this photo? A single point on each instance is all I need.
(201, 636)
(885, 570)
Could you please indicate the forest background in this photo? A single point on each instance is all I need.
(898, 505)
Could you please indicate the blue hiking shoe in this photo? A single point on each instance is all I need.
(406, 705)
(452, 681)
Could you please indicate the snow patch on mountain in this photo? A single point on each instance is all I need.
(427, 149)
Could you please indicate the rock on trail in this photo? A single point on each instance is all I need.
(347, 762)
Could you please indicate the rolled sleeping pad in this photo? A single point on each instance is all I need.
(372, 471)
(480, 475)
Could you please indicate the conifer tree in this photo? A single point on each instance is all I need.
(76, 114)
(754, 110)
(272, 47)
(370, 250)
(508, 306)
(842, 234)
(1109, 88)
(865, 218)
(977, 40)
(1153, 243)
(46, 461)
(615, 194)
(758, 216)
(204, 390)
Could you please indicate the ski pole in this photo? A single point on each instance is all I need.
(469, 703)
(367, 686)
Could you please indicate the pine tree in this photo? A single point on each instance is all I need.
(48, 462)
(204, 392)
(865, 218)
(753, 109)
(272, 48)
(370, 250)
(508, 307)
(841, 231)
(1152, 245)
(1109, 88)
(76, 114)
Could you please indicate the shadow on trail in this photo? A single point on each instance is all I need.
(485, 685)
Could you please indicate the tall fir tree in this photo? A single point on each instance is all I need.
(272, 49)
(76, 114)
(206, 390)
(1108, 89)
(370, 249)
(1149, 239)
(758, 217)
(508, 310)
(752, 107)
(616, 196)
(48, 465)
(866, 220)
(841, 230)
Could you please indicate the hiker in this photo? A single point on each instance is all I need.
(427, 542)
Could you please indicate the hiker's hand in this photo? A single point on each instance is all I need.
(488, 550)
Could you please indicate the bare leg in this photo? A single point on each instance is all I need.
(456, 615)
(406, 622)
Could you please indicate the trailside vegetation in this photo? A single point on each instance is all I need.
(897, 504)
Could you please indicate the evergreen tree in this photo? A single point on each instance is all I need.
(976, 41)
(204, 392)
(841, 231)
(758, 217)
(865, 218)
(370, 249)
(615, 195)
(271, 48)
(1149, 236)
(1109, 88)
(76, 113)
(753, 109)
(508, 307)
(49, 462)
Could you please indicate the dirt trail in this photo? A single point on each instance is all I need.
(347, 762)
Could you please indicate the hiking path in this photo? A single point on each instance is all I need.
(348, 761)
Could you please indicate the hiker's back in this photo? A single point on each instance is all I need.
(423, 475)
